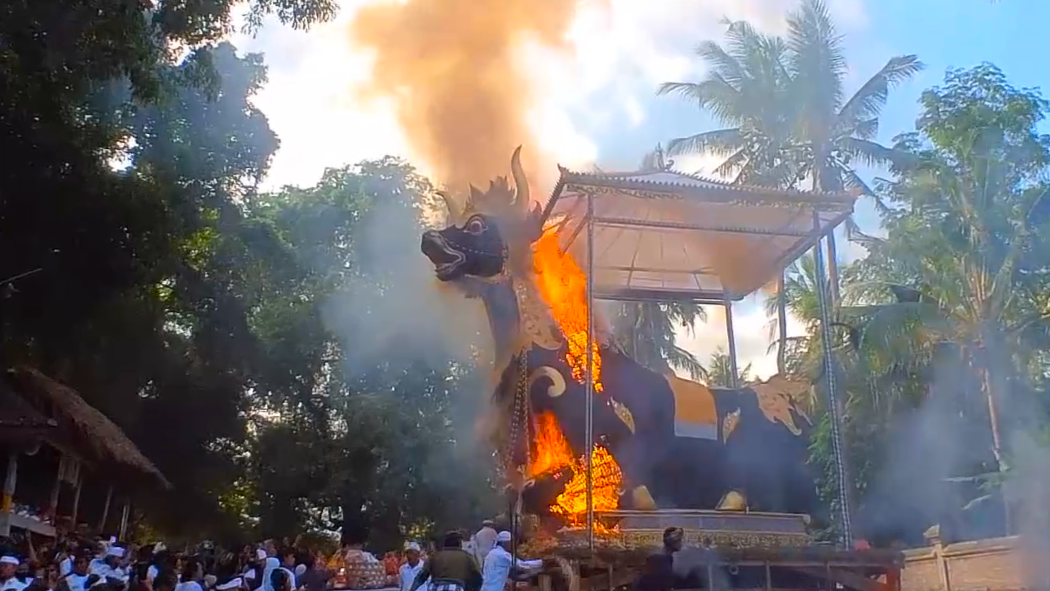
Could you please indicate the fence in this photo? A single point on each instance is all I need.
(993, 564)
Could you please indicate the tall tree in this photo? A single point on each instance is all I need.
(833, 132)
(966, 237)
(746, 90)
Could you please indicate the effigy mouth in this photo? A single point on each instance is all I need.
(446, 259)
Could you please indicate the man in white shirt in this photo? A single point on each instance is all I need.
(499, 563)
(484, 540)
(77, 580)
(411, 568)
(8, 581)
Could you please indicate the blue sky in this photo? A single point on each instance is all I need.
(601, 107)
(943, 33)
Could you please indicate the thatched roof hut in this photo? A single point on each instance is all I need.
(80, 426)
(18, 417)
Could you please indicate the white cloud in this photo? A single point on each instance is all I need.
(617, 58)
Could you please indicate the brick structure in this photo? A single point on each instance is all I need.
(993, 564)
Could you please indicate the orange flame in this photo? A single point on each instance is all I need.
(553, 453)
(563, 287)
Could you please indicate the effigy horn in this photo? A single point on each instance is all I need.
(521, 183)
(450, 203)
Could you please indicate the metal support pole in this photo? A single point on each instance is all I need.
(734, 381)
(589, 421)
(835, 410)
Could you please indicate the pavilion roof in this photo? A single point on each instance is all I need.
(83, 427)
(663, 234)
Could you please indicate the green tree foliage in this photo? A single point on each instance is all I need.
(359, 431)
(965, 237)
(146, 272)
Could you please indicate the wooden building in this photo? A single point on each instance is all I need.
(37, 411)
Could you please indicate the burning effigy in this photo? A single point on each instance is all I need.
(659, 441)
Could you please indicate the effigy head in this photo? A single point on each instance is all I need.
(488, 233)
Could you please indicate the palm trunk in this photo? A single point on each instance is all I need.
(782, 324)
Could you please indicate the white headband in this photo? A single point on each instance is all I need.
(115, 551)
(9, 560)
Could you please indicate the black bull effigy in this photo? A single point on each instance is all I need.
(678, 443)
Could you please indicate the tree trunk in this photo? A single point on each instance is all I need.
(997, 441)
(782, 324)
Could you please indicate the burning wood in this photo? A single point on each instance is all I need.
(555, 467)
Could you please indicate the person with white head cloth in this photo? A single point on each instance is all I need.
(254, 574)
(484, 541)
(499, 563)
(8, 580)
(410, 569)
(270, 564)
(108, 567)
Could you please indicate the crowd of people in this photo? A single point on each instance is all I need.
(480, 562)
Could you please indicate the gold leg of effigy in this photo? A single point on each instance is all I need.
(733, 501)
(642, 500)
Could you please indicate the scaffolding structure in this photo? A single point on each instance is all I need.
(661, 235)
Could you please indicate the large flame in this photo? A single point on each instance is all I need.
(552, 452)
(563, 286)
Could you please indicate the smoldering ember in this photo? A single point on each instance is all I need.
(442, 296)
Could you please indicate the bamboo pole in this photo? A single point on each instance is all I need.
(105, 510)
(76, 501)
(125, 514)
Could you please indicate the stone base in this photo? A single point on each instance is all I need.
(708, 528)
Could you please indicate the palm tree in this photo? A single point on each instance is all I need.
(646, 333)
(833, 132)
(746, 87)
(719, 371)
(784, 110)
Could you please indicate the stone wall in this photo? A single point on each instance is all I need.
(993, 564)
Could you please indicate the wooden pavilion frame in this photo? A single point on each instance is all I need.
(44, 410)
(662, 235)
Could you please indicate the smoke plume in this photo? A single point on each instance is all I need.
(452, 70)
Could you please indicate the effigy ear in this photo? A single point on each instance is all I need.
(533, 223)
(521, 182)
